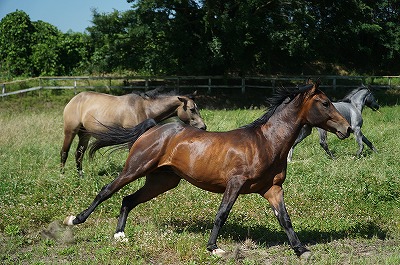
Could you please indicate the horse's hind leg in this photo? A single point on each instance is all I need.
(156, 184)
(324, 144)
(105, 193)
(369, 144)
(68, 138)
(80, 150)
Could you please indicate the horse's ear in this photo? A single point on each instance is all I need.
(315, 86)
(193, 95)
(317, 83)
(184, 100)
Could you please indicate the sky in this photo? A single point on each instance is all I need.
(66, 15)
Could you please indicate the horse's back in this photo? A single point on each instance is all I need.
(89, 109)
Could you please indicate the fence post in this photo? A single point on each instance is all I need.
(209, 86)
(273, 85)
(75, 86)
(243, 86)
(3, 90)
(146, 84)
(334, 83)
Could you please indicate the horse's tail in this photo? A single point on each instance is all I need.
(118, 136)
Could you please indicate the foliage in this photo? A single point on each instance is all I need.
(212, 38)
(39, 48)
(16, 30)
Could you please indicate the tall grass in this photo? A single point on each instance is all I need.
(346, 210)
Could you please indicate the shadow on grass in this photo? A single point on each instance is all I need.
(112, 169)
(264, 236)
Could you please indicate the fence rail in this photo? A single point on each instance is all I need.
(178, 82)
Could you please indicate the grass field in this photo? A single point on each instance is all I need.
(346, 211)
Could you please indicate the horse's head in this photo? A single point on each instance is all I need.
(189, 113)
(371, 102)
(319, 111)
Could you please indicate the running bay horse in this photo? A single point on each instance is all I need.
(88, 110)
(250, 159)
(351, 107)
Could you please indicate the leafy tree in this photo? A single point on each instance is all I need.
(45, 57)
(75, 51)
(16, 31)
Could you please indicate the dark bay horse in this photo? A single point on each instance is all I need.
(250, 159)
(88, 111)
(351, 107)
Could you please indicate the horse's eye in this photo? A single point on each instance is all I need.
(193, 110)
(325, 104)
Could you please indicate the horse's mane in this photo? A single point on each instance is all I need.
(155, 93)
(349, 95)
(282, 95)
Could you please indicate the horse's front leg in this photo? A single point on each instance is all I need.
(304, 132)
(323, 135)
(228, 199)
(359, 135)
(275, 197)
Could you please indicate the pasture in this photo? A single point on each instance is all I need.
(346, 211)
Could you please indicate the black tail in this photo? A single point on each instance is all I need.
(119, 136)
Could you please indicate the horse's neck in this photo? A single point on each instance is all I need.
(358, 101)
(162, 108)
(284, 127)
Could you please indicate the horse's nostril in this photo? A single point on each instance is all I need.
(349, 130)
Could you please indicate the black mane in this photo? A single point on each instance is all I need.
(282, 95)
(349, 95)
(155, 93)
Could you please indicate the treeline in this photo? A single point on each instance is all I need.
(198, 37)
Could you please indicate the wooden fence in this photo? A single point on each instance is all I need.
(179, 82)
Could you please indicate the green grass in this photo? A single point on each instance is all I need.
(346, 210)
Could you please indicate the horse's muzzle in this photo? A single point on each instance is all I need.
(342, 135)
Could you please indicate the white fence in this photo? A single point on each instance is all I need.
(178, 82)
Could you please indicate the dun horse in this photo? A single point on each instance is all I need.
(250, 159)
(351, 107)
(87, 110)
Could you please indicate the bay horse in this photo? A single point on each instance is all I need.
(351, 107)
(250, 159)
(86, 111)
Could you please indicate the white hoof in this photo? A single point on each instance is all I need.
(218, 252)
(305, 256)
(68, 220)
(120, 237)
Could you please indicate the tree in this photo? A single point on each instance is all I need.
(45, 57)
(16, 31)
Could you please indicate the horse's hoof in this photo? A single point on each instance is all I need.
(305, 256)
(120, 237)
(69, 220)
(218, 252)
